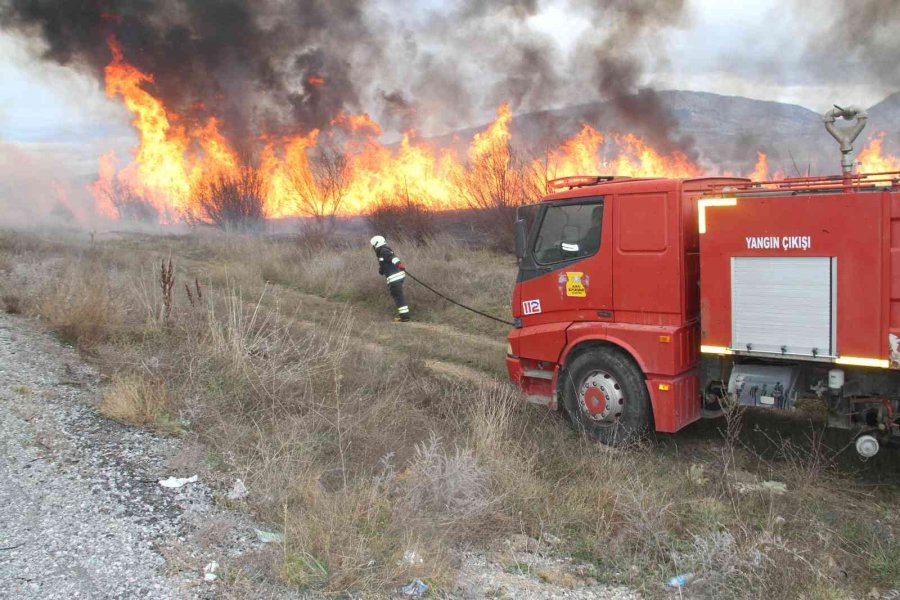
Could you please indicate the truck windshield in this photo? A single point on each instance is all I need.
(569, 232)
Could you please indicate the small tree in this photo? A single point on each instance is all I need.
(495, 182)
(322, 187)
(234, 202)
(130, 204)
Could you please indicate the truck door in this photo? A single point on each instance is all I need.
(566, 274)
(648, 257)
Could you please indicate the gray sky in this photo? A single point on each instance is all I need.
(55, 122)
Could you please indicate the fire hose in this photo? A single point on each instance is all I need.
(459, 304)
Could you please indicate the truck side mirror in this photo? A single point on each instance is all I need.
(520, 239)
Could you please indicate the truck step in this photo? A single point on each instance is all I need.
(538, 399)
(536, 374)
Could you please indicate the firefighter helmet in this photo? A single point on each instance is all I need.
(377, 241)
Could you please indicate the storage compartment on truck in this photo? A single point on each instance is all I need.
(783, 304)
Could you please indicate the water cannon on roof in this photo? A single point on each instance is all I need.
(845, 136)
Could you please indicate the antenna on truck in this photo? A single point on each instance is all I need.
(845, 136)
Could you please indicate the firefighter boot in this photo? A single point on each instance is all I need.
(401, 317)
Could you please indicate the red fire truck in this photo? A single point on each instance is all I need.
(643, 303)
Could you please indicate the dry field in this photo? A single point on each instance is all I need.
(367, 441)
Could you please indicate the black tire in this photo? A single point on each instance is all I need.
(620, 388)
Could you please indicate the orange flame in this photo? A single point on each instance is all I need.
(287, 175)
(583, 155)
(174, 159)
(315, 81)
(872, 158)
(159, 169)
(357, 124)
(102, 189)
(761, 170)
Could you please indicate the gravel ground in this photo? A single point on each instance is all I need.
(81, 512)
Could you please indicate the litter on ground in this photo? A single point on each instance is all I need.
(416, 588)
(209, 571)
(177, 482)
(268, 537)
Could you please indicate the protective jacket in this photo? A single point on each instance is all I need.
(388, 265)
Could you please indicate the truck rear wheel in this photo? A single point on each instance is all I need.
(606, 397)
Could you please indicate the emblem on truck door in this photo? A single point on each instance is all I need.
(576, 284)
(531, 307)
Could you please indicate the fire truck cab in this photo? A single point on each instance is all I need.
(641, 302)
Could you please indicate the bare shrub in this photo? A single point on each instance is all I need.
(449, 484)
(402, 219)
(62, 214)
(234, 202)
(128, 202)
(734, 418)
(132, 206)
(716, 557)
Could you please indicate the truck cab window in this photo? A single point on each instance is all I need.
(569, 232)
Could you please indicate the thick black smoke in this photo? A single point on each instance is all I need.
(252, 64)
(618, 70)
(275, 66)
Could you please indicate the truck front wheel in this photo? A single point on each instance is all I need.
(606, 397)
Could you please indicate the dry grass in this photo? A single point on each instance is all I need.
(380, 469)
(80, 306)
(139, 400)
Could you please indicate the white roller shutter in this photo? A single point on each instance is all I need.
(783, 305)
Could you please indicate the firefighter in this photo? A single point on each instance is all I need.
(393, 270)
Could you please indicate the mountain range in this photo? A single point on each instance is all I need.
(722, 133)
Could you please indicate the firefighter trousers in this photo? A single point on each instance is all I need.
(396, 289)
